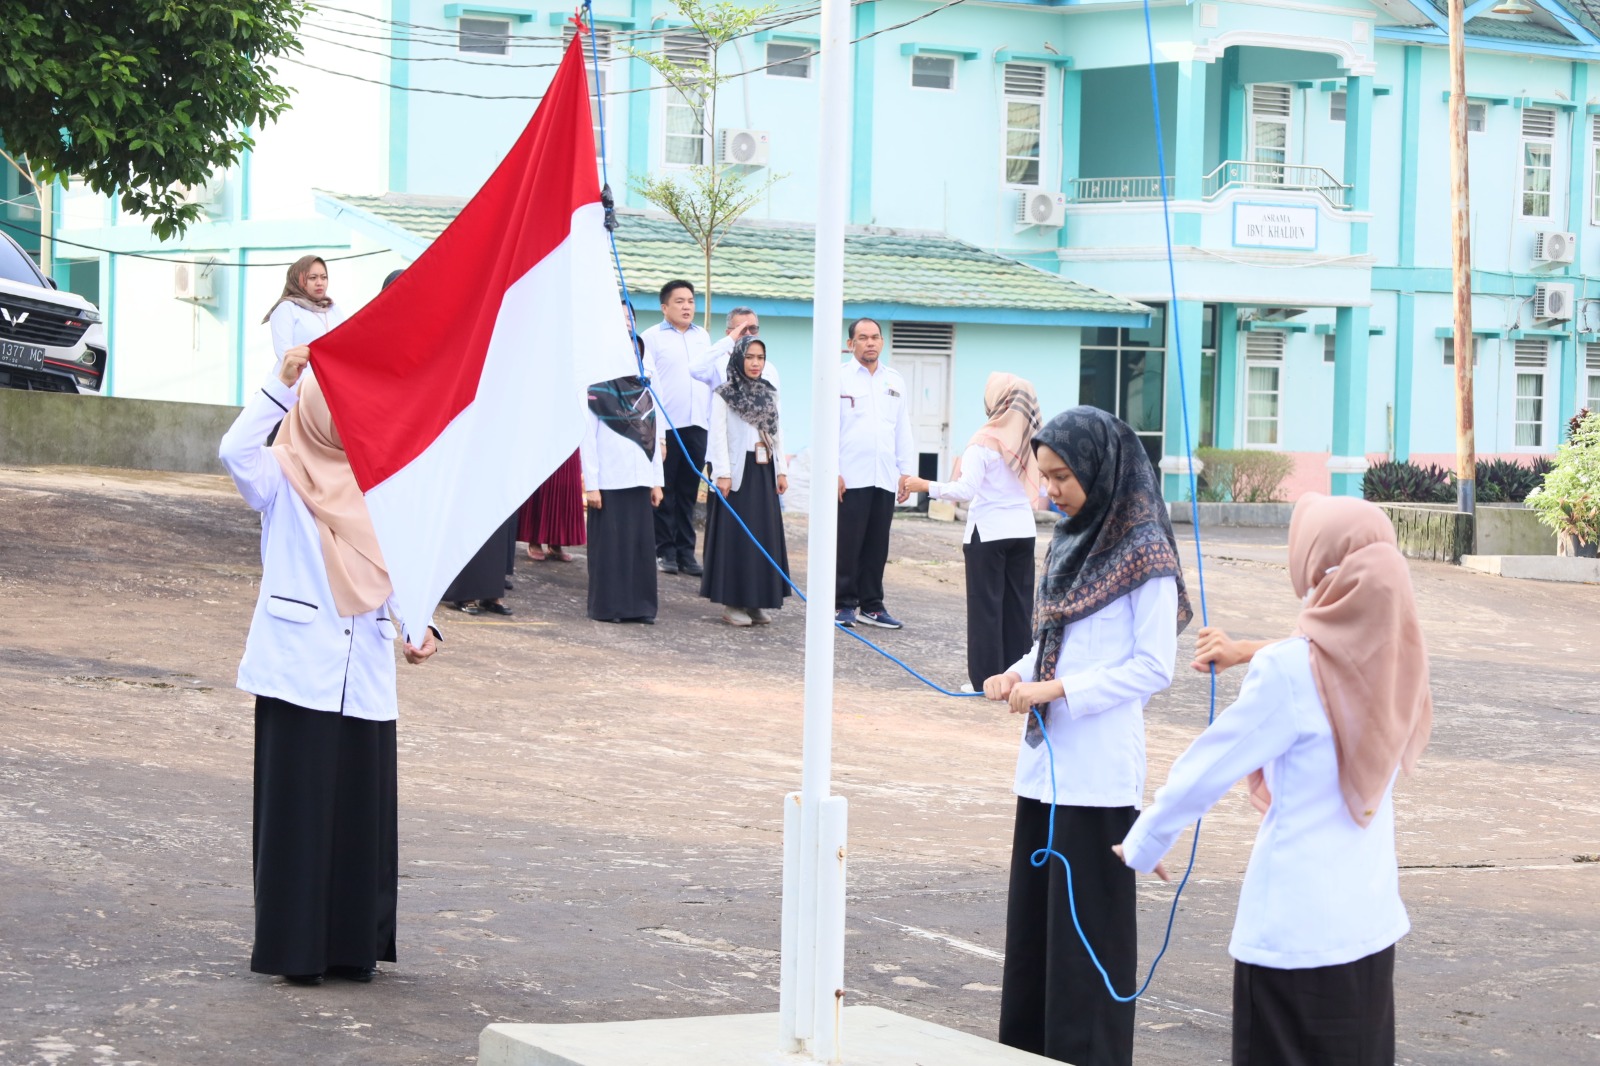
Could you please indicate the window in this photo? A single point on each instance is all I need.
(933, 72)
(1263, 388)
(1123, 371)
(685, 144)
(1271, 107)
(1538, 150)
(1532, 362)
(788, 60)
(1477, 117)
(686, 49)
(1450, 351)
(596, 61)
(1591, 367)
(1594, 172)
(1336, 103)
(1024, 104)
(1329, 345)
(489, 37)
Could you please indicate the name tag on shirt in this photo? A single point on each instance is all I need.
(763, 457)
(893, 393)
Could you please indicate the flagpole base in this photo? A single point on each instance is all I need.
(811, 971)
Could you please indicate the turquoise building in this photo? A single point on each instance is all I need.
(1006, 205)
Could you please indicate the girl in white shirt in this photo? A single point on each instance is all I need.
(999, 478)
(304, 311)
(747, 461)
(1322, 724)
(621, 454)
(1109, 610)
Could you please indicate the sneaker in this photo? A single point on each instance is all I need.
(737, 616)
(690, 567)
(760, 617)
(846, 617)
(881, 618)
(666, 566)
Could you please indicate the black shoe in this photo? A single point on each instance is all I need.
(690, 567)
(360, 974)
(495, 607)
(305, 980)
(467, 607)
(509, 585)
(666, 566)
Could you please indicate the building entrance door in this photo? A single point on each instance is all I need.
(922, 353)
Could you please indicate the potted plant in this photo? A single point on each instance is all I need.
(1569, 500)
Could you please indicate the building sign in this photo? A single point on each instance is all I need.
(1291, 226)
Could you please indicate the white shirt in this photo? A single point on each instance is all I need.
(611, 461)
(292, 325)
(300, 649)
(1320, 890)
(732, 438)
(876, 445)
(1000, 507)
(1111, 663)
(688, 402)
(712, 367)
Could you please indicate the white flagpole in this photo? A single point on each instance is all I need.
(811, 994)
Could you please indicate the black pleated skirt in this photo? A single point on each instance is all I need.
(736, 573)
(1322, 1016)
(326, 847)
(622, 557)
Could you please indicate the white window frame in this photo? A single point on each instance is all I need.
(806, 58)
(1253, 119)
(955, 73)
(1594, 171)
(1338, 105)
(1447, 349)
(1524, 365)
(1042, 103)
(462, 34)
(672, 99)
(1264, 359)
(1524, 144)
(1591, 378)
(1330, 344)
(1481, 109)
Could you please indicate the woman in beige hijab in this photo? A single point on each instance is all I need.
(320, 661)
(1323, 724)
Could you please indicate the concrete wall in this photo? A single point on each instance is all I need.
(39, 428)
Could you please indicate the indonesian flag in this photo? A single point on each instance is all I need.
(460, 388)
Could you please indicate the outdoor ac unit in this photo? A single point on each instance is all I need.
(192, 281)
(1553, 246)
(207, 195)
(746, 148)
(1553, 302)
(1042, 208)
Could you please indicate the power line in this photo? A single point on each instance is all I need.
(170, 259)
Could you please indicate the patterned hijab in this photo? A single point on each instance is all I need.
(754, 400)
(1013, 411)
(1120, 539)
(625, 407)
(294, 288)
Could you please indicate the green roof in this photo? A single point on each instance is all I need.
(763, 261)
(1507, 30)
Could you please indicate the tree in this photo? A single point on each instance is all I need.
(139, 98)
(710, 198)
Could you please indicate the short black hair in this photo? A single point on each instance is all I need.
(673, 286)
(852, 332)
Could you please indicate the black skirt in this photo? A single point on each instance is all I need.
(484, 576)
(736, 573)
(326, 850)
(1322, 1016)
(622, 557)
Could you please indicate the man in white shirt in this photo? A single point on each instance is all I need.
(877, 452)
(678, 345)
(712, 369)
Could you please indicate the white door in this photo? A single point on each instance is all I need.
(922, 352)
(1271, 112)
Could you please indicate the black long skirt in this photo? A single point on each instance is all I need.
(484, 576)
(622, 557)
(326, 849)
(736, 573)
(1053, 1001)
(1323, 1016)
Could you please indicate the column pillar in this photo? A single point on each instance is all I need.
(1071, 137)
(1188, 162)
(1348, 462)
(1358, 153)
(1405, 322)
(1184, 330)
(1227, 406)
(861, 117)
(1578, 153)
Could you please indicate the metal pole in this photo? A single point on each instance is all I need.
(1461, 266)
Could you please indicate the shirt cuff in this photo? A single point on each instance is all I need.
(1078, 692)
(1139, 850)
(279, 393)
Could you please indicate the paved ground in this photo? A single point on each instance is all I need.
(590, 814)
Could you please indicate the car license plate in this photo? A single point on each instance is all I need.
(27, 356)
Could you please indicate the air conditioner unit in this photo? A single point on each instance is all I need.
(1553, 246)
(1042, 208)
(1553, 302)
(746, 148)
(208, 195)
(192, 281)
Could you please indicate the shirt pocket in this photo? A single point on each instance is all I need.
(387, 629)
(290, 609)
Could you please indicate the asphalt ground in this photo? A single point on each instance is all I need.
(590, 815)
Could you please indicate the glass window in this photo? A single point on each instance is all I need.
(788, 60)
(15, 264)
(1530, 410)
(1024, 120)
(1538, 152)
(1593, 403)
(685, 133)
(1262, 388)
(1330, 345)
(1271, 110)
(933, 72)
(1123, 371)
(1450, 351)
(1477, 117)
(1336, 105)
(489, 37)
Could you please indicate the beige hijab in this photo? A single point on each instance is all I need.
(1013, 410)
(295, 291)
(312, 456)
(1367, 652)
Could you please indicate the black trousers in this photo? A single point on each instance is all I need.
(1053, 1001)
(1324, 1016)
(675, 516)
(326, 850)
(999, 604)
(864, 518)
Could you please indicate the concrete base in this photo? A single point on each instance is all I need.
(872, 1037)
(1261, 515)
(1537, 567)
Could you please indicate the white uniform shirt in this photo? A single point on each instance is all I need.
(300, 649)
(688, 402)
(876, 445)
(292, 325)
(611, 461)
(1320, 890)
(1000, 507)
(732, 438)
(1111, 663)
(712, 367)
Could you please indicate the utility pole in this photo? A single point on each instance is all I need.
(1461, 266)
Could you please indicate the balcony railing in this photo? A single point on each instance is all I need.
(1233, 174)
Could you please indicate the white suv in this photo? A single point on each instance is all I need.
(50, 341)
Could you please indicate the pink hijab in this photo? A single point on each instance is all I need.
(1367, 651)
(1013, 410)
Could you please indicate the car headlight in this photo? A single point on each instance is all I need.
(89, 314)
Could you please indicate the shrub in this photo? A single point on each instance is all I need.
(1569, 499)
(1243, 475)
(1403, 482)
(1505, 481)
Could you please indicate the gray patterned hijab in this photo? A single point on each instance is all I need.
(754, 400)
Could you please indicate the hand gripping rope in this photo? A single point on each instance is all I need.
(584, 21)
